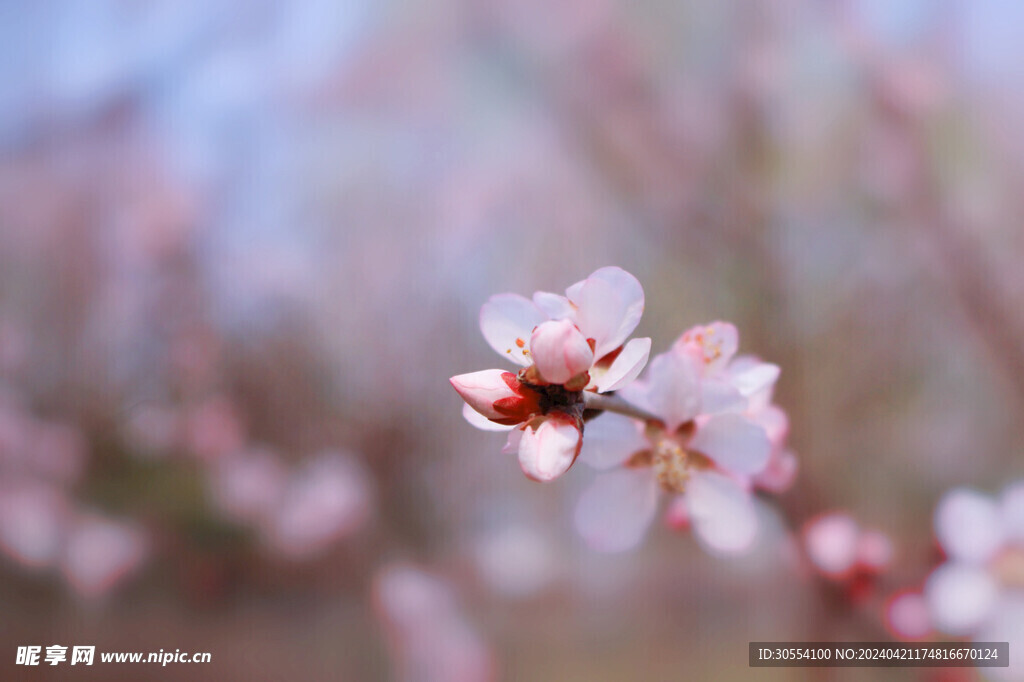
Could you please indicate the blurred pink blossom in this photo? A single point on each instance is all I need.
(101, 552)
(430, 638)
(33, 517)
(705, 448)
(327, 498)
(841, 549)
(248, 485)
(906, 615)
(214, 429)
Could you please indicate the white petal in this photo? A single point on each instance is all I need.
(717, 396)
(480, 421)
(554, 306)
(1012, 511)
(610, 439)
(1006, 624)
(722, 512)
(613, 514)
(734, 442)
(672, 390)
(508, 319)
(609, 306)
(626, 367)
(960, 597)
(967, 525)
(515, 437)
(754, 379)
(907, 616)
(547, 451)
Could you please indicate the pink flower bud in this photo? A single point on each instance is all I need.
(560, 351)
(497, 395)
(549, 449)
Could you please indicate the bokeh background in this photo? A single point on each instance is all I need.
(243, 245)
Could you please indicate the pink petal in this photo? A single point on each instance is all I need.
(507, 321)
(100, 553)
(960, 597)
(610, 440)
(515, 437)
(735, 442)
(967, 525)
(754, 379)
(718, 395)
(671, 391)
(722, 513)
(780, 473)
(33, 519)
(613, 514)
(560, 351)
(831, 543)
(554, 306)
(610, 303)
(625, 368)
(482, 389)
(716, 343)
(481, 422)
(328, 498)
(907, 616)
(547, 451)
(874, 550)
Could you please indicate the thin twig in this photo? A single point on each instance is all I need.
(613, 403)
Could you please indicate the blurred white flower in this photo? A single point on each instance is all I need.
(979, 590)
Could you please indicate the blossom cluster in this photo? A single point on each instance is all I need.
(699, 426)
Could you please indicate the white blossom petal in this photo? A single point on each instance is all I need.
(554, 306)
(625, 368)
(967, 525)
(610, 439)
(735, 442)
(960, 597)
(507, 321)
(722, 512)
(1012, 511)
(610, 303)
(671, 391)
(614, 513)
(753, 378)
(1006, 624)
(718, 396)
(481, 422)
(547, 451)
